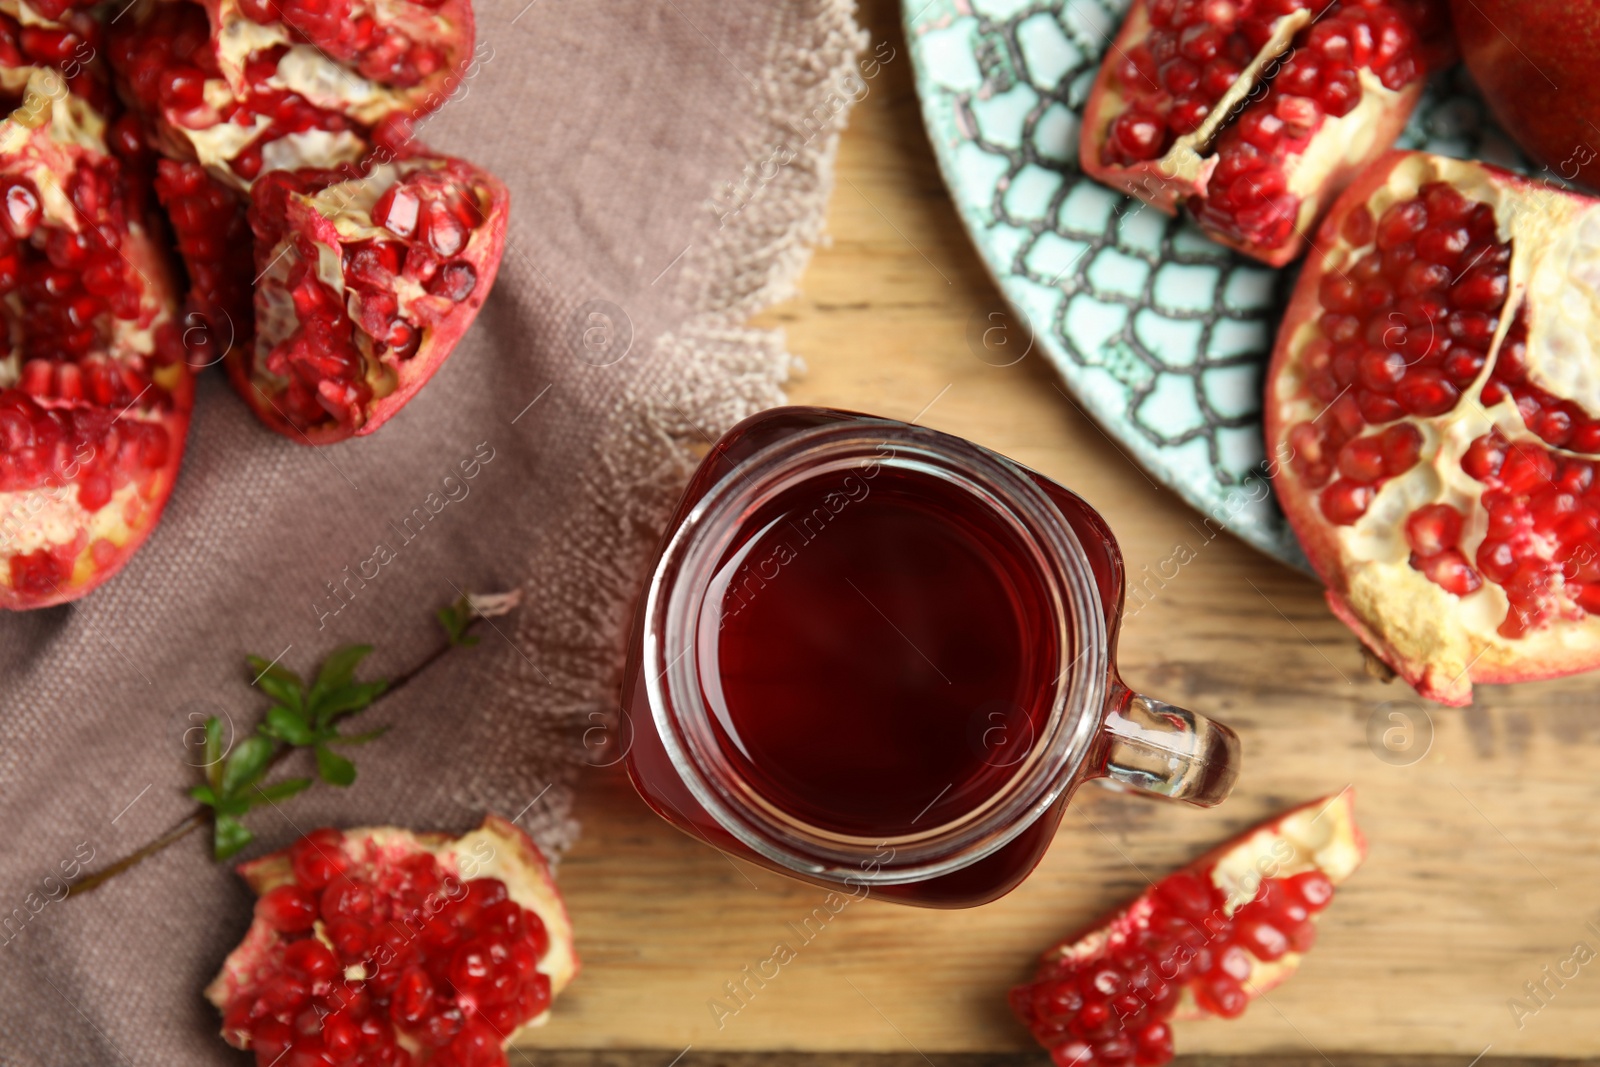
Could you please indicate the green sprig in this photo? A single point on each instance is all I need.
(301, 716)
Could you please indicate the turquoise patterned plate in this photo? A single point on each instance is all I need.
(1159, 333)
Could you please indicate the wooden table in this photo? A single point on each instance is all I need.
(1485, 854)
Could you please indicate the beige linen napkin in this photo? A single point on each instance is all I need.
(669, 162)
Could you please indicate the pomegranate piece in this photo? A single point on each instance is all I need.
(1205, 940)
(1434, 404)
(1255, 113)
(379, 946)
(364, 288)
(248, 88)
(95, 395)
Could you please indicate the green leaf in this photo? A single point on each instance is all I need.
(340, 667)
(230, 837)
(334, 768)
(204, 795)
(456, 619)
(281, 790)
(351, 698)
(235, 805)
(246, 763)
(213, 752)
(278, 682)
(358, 739)
(286, 725)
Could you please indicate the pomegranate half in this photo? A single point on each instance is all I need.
(379, 946)
(1433, 405)
(95, 395)
(1205, 940)
(1253, 114)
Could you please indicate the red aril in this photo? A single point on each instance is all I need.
(1255, 113)
(365, 286)
(95, 395)
(1474, 553)
(378, 946)
(1203, 941)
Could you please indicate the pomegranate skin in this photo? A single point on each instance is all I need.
(1534, 62)
(1463, 616)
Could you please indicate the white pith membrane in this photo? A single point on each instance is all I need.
(1320, 836)
(41, 141)
(497, 849)
(340, 215)
(1438, 641)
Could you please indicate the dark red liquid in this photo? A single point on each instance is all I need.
(884, 652)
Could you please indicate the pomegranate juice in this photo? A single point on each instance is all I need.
(881, 659)
(876, 652)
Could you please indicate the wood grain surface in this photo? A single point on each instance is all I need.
(1484, 862)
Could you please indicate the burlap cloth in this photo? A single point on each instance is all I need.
(668, 157)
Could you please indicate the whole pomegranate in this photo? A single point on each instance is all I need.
(1205, 940)
(1434, 403)
(1253, 114)
(379, 947)
(1535, 64)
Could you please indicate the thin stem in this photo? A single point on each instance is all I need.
(198, 818)
(195, 820)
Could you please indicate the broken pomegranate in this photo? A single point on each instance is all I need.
(94, 392)
(1203, 941)
(1433, 404)
(1255, 113)
(378, 946)
(365, 286)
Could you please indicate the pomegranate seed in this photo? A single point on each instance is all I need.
(1484, 456)
(1400, 223)
(22, 208)
(1450, 571)
(1221, 995)
(1481, 288)
(1345, 501)
(1426, 392)
(317, 858)
(397, 211)
(1433, 528)
(311, 959)
(454, 281)
(287, 909)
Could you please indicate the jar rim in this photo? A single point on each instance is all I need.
(675, 599)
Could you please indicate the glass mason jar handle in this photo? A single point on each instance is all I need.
(1153, 747)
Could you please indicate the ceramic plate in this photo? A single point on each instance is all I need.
(1162, 335)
